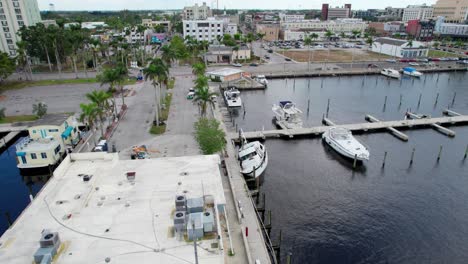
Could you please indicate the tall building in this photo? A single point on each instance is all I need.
(208, 29)
(329, 13)
(452, 10)
(421, 30)
(197, 12)
(13, 15)
(414, 12)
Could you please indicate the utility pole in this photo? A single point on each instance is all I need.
(194, 242)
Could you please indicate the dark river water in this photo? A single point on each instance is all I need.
(15, 188)
(403, 213)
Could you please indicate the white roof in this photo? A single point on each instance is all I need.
(137, 217)
(225, 72)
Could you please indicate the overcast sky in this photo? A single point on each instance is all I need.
(229, 4)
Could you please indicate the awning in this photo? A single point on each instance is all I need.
(67, 132)
(20, 154)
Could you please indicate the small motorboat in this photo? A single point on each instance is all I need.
(390, 73)
(341, 140)
(232, 97)
(287, 115)
(253, 158)
(261, 79)
(412, 72)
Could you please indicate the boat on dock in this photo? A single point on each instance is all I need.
(342, 140)
(391, 73)
(262, 79)
(287, 115)
(232, 97)
(253, 158)
(410, 71)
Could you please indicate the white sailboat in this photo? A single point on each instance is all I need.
(261, 79)
(341, 140)
(412, 72)
(232, 97)
(287, 115)
(390, 73)
(253, 158)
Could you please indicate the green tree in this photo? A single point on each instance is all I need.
(157, 71)
(209, 135)
(101, 99)
(329, 34)
(204, 97)
(88, 114)
(23, 59)
(2, 113)
(308, 42)
(169, 54)
(40, 109)
(356, 33)
(199, 68)
(342, 35)
(201, 82)
(7, 66)
(370, 41)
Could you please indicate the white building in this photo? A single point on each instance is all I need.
(230, 28)
(197, 12)
(297, 34)
(336, 26)
(208, 29)
(13, 15)
(422, 12)
(291, 18)
(152, 23)
(450, 29)
(400, 48)
(98, 208)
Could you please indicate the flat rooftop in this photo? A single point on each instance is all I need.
(110, 219)
(225, 72)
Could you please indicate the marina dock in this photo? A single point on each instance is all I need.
(9, 137)
(435, 122)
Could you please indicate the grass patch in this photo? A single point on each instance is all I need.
(171, 83)
(19, 118)
(13, 85)
(440, 53)
(333, 55)
(164, 115)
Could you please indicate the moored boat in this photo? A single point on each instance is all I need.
(261, 79)
(390, 73)
(232, 97)
(410, 71)
(342, 140)
(253, 158)
(287, 115)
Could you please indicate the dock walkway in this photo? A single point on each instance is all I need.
(6, 139)
(358, 127)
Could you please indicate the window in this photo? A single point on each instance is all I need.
(187, 25)
(188, 30)
(2, 11)
(2, 17)
(6, 29)
(19, 17)
(12, 47)
(33, 156)
(57, 149)
(20, 23)
(53, 130)
(17, 11)
(44, 155)
(9, 41)
(4, 23)
(12, 53)
(16, 4)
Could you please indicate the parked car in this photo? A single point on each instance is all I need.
(253, 64)
(236, 65)
(270, 51)
(434, 59)
(404, 60)
(190, 95)
(391, 60)
(372, 66)
(287, 59)
(101, 146)
(414, 64)
(267, 57)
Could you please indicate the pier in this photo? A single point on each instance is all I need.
(376, 126)
(9, 137)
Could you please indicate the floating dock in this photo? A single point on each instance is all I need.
(436, 122)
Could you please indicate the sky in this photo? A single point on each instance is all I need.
(90, 5)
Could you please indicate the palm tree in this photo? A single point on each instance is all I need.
(100, 98)
(88, 114)
(156, 71)
(329, 34)
(308, 42)
(203, 97)
(342, 35)
(199, 68)
(370, 41)
(169, 54)
(356, 33)
(201, 82)
(23, 59)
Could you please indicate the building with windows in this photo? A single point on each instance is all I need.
(454, 11)
(422, 12)
(400, 48)
(330, 13)
(271, 31)
(208, 29)
(149, 23)
(421, 30)
(336, 26)
(197, 12)
(455, 31)
(13, 15)
(230, 28)
(291, 17)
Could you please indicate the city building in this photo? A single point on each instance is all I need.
(197, 12)
(230, 28)
(336, 26)
(368, 14)
(13, 15)
(271, 31)
(421, 30)
(149, 23)
(394, 12)
(455, 31)
(291, 17)
(97, 208)
(400, 48)
(226, 74)
(421, 12)
(330, 13)
(225, 54)
(387, 28)
(454, 11)
(208, 29)
(49, 138)
(48, 23)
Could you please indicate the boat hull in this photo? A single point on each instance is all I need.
(260, 170)
(341, 150)
(391, 75)
(412, 74)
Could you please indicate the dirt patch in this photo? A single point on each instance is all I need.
(334, 55)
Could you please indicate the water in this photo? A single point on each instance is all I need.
(15, 188)
(400, 214)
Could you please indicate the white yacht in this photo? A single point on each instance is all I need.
(341, 140)
(412, 72)
(261, 79)
(390, 73)
(253, 158)
(287, 115)
(232, 97)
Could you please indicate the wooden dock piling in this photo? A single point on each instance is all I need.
(392, 130)
(440, 153)
(384, 159)
(412, 156)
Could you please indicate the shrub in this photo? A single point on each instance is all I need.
(209, 135)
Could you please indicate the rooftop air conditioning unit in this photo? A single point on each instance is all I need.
(181, 203)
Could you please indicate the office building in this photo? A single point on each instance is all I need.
(197, 12)
(454, 11)
(422, 12)
(330, 13)
(421, 29)
(455, 31)
(13, 15)
(271, 31)
(208, 29)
